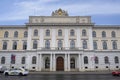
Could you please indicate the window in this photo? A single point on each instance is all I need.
(24, 45)
(113, 34)
(84, 44)
(72, 63)
(72, 44)
(104, 45)
(15, 34)
(85, 60)
(47, 63)
(114, 45)
(106, 60)
(35, 44)
(4, 45)
(13, 58)
(103, 34)
(3, 60)
(34, 60)
(47, 44)
(95, 45)
(84, 32)
(94, 34)
(96, 60)
(72, 33)
(116, 59)
(6, 34)
(14, 45)
(23, 60)
(35, 32)
(60, 44)
(47, 32)
(25, 34)
(59, 32)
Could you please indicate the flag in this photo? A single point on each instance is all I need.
(13, 59)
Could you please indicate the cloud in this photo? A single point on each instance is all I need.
(22, 9)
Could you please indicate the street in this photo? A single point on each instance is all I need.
(62, 77)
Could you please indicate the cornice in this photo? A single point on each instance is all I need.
(59, 24)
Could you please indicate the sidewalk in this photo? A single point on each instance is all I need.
(62, 72)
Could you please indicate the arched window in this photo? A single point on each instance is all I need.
(103, 34)
(114, 45)
(47, 44)
(23, 60)
(59, 32)
(113, 34)
(16, 34)
(116, 59)
(14, 45)
(3, 60)
(25, 34)
(72, 63)
(24, 45)
(85, 60)
(60, 44)
(47, 32)
(13, 59)
(84, 32)
(35, 32)
(47, 63)
(95, 45)
(6, 34)
(106, 59)
(34, 60)
(84, 44)
(72, 44)
(104, 45)
(72, 32)
(35, 44)
(94, 34)
(96, 60)
(4, 45)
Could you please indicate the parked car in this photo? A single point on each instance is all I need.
(2, 69)
(16, 71)
(116, 73)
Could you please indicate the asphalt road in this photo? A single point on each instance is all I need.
(62, 77)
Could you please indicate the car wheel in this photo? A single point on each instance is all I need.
(6, 74)
(20, 74)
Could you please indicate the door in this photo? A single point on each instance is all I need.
(60, 64)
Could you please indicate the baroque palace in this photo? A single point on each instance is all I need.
(60, 43)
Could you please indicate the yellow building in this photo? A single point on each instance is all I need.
(60, 43)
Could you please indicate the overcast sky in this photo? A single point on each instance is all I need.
(15, 12)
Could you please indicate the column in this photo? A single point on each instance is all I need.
(41, 38)
(68, 62)
(53, 39)
(40, 62)
(51, 62)
(28, 60)
(54, 63)
(66, 42)
(90, 45)
(80, 61)
(65, 64)
(78, 39)
(29, 38)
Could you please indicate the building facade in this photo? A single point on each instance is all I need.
(60, 43)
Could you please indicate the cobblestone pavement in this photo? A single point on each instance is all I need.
(61, 77)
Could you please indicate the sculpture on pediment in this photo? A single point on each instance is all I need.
(59, 12)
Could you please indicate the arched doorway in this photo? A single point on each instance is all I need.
(60, 64)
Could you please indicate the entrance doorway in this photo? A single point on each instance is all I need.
(60, 64)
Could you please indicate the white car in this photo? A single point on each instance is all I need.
(16, 71)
